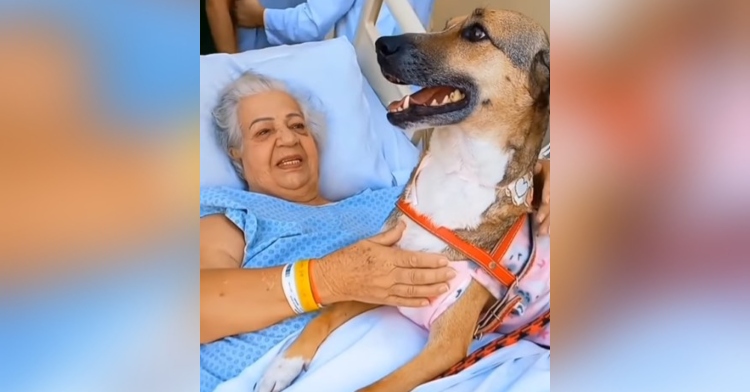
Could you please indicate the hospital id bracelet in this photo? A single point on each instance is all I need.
(290, 289)
(304, 286)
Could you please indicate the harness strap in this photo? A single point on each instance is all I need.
(532, 328)
(494, 317)
(492, 263)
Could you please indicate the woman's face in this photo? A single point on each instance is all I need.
(279, 155)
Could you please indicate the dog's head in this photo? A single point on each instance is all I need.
(484, 69)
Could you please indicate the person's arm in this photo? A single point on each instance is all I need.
(222, 27)
(235, 300)
(309, 21)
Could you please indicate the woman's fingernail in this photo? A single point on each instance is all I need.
(444, 288)
(540, 217)
(451, 274)
(424, 303)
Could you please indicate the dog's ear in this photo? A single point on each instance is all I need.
(539, 79)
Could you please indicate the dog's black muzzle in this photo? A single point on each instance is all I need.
(393, 46)
(400, 58)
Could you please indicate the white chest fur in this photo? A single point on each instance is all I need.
(455, 185)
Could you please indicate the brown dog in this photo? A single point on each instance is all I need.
(487, 82)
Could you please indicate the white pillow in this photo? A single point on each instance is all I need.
(351, 157)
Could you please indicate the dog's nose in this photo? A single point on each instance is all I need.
(387, 46)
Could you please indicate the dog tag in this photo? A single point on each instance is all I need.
(520, 190)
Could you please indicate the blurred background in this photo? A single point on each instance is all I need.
(98, 196)
(651, 187)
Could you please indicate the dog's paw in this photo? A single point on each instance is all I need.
(280, 374)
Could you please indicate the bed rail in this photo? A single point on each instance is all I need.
(367, 34)
(364, 44)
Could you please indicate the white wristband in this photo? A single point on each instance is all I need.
(289, 284)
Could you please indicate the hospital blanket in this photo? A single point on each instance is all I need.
(278, 232)
(378, 342)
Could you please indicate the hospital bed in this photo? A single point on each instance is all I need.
(383, 336)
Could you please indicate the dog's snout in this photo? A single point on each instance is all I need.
(388, 46)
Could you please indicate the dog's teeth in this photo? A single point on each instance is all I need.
(406, 102)
(456, 96)
(434, 103)
(445, 100)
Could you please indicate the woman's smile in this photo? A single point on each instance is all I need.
(290, 162)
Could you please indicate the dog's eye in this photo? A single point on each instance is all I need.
(474, 33)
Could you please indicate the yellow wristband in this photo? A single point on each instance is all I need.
(304, 288)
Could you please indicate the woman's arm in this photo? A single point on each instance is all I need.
(235, 300)
(309, 21)
(222, 27)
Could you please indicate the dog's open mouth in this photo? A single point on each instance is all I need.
(430, 101)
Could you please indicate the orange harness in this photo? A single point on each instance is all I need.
(492, 264)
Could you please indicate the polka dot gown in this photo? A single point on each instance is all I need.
(278, 232)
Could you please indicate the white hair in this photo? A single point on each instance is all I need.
(228, 131)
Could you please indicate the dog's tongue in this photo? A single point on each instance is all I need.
(427, 95)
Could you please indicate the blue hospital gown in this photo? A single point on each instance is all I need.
(279, 232)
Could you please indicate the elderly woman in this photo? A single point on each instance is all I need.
(252, 242)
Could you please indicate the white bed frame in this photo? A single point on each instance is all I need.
(364, 45)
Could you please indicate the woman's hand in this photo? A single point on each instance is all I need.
(541, 174)
(374, 271)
